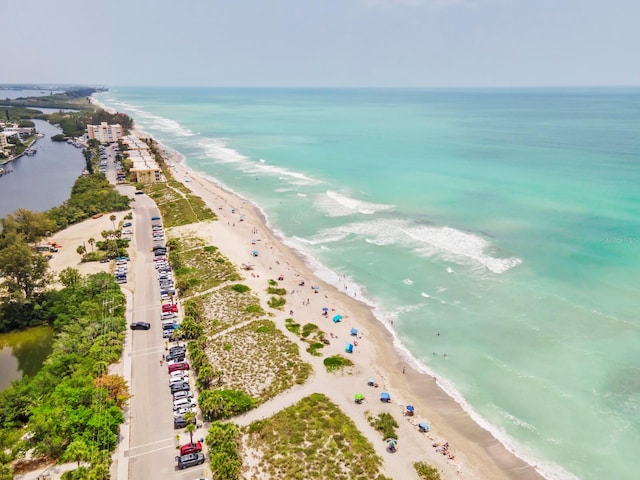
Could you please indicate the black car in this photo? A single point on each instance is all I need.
(180, 387)
(190, 460)
(139, 192)
(140, 326)
(180, 422)
(178, 349)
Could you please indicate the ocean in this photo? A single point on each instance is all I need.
(500, 227)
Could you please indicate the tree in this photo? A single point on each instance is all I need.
(31, 225)
(25, 270)
(205, 376)
(70, 277)
(190, 428)
(116, 387)
(81, 250)
(77, 451)
(113, 221)
(92, 242)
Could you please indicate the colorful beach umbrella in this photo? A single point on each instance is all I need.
(392, 443)
(337, 318)
(359, 397)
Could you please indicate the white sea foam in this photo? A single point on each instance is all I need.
(338, 205)
(218, 149)
(426, 241)
(407, 281)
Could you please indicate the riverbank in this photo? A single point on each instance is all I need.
(476, 453)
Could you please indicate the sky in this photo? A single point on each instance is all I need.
(322, 43)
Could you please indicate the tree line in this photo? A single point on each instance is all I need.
(25, 271)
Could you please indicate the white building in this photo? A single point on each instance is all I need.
(104, 132)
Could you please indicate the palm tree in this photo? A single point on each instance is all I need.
(77, 451)
(81, 250)
(113, 221)
(92, 242)
(190, 428)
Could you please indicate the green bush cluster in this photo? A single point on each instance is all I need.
(336, 362)
(276, 302)
(70, 408)
(385, 424)
(426, 471)
(223, 441)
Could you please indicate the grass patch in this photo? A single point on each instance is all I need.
(240, 288)
(336, 362)
(226, 307)
(314, 347)
(276, 291)
(277, 302)
(385, 424)
(311, 439)
(200, 267)
(292, 326)
(426, 471)
(308, 329)
(177, 205)
(262, 363)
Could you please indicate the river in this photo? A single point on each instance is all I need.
(44, 180)
(22, 353)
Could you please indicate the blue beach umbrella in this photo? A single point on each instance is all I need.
(325, 309)
(354, 332)
(424, 427)
(337, 318)
(385, 397)
(410, 408)
(348, 348)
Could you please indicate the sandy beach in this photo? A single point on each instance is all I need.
(474, 452)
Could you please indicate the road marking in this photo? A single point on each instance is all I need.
(170, 445)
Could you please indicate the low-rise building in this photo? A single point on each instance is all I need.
(144, 168)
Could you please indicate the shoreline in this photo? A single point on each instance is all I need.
(479, 453)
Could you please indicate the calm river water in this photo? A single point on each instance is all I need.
(22, 353)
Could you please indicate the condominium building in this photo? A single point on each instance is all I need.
(104, 132)
(144, 168)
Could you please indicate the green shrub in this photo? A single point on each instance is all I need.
(308, 328)
(292, 326)
(276, 302)
(336, 363)
(276, 291)
(384, 423)
(314, 347)
(240, 288)
(255, 309)
(426, 471)
(273, 283)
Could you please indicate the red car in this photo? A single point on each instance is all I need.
(170, 307)
(188, 448)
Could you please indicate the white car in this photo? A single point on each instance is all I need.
(127, 231)
(180, 373)
(182, 410)
(178, 379)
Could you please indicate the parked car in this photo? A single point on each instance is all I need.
(188, 448)
(178, 379)
(179, 373)
(180, 422)
(139, 192)
(186, 402)
(140, 326)
(178, 349)
(177, 357)
(180, 387)
(172, 367)
(170, 307)
(127, 224)
(155, 217)
(181, 395)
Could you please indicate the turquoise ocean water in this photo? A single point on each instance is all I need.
(507, 221)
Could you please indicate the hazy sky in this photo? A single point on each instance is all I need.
(321, 42)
